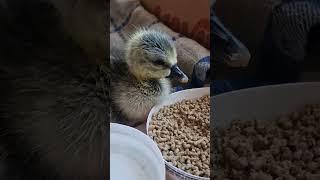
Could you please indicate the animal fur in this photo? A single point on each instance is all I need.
(54, 109)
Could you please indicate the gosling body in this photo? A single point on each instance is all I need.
(133, 98)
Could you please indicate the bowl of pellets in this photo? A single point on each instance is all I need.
(268, 132)
(180, 126)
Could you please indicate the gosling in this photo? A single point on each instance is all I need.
(140, 75)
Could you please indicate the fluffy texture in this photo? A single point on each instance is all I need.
(150, 54)
(57, 115)
(133, 99)
(55, 103)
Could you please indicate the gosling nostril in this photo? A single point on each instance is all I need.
(184, 79)
(178, 74)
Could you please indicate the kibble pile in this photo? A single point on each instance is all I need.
(182, 132)
(287, 148)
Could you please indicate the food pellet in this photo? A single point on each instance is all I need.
(182, 132)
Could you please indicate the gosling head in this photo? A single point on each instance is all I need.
(152, 55)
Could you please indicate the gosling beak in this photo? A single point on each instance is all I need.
(178, 74)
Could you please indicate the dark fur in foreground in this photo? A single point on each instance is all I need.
(54, 104)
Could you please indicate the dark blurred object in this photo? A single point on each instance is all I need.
(23, 29)
(313, 45)
(311, 65)
(226, 47)
(288, 41)
(291, 22)
(247, 20)
(282, 37)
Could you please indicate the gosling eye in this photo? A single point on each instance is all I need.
(159, 62)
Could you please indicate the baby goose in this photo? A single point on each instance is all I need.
(139, 79)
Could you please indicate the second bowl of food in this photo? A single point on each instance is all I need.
(269, 132)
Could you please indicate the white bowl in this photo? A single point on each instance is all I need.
(133, 155)
(262, 103)
(173, 98)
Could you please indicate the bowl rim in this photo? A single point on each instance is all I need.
(283, 85)
(143, 138)
(206, 91)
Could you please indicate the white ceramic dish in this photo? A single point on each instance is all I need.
(173, 98)
(133, 155)
(262, 103)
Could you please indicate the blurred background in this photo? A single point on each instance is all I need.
(282, 37)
